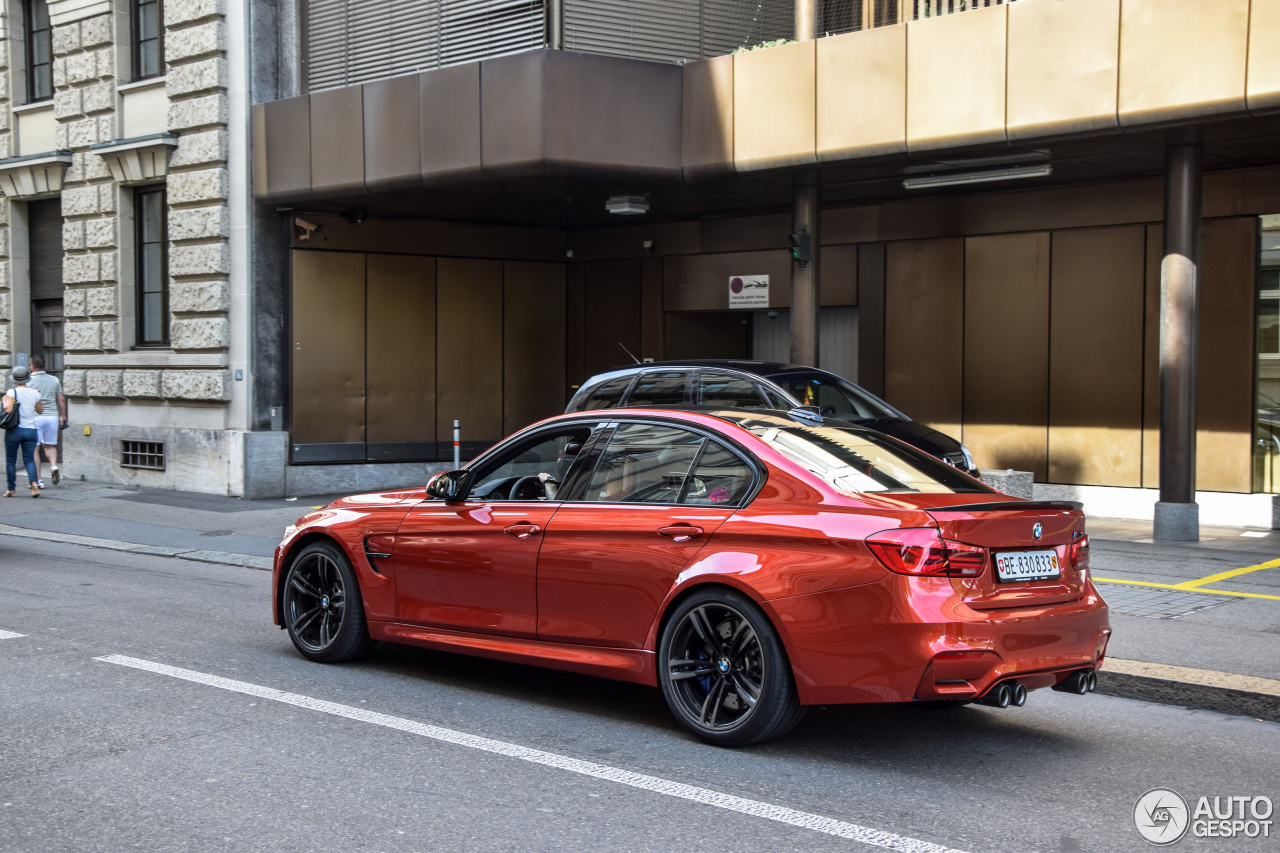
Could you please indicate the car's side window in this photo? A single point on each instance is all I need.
(720, 478)
(608, 394)
(532, 470)
(644, 463)
(723, 389)
(775, 400)
(659, 388)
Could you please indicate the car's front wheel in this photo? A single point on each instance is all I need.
(724, 672)
(323, 610)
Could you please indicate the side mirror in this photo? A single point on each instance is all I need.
(449, 486)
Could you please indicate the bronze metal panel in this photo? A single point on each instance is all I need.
(774, 121)
(1263, 87)
(871, 260)
(450, 131)
(849, 225)
(708, 334)
(328, 349)
(533, 350)
(512, 114)
(1181, 59)
(1006, 351)
(401, 349)
(956, 79)
(744, 234)
(862, 94)
(839, 285)
(707, 118)
(432, 237)
(701, 282)
(337, 142)
(924, 333)
(287, 150)
(651, 271)
(627, 241)
(469, 348)
(1095, 357)
(611, 313)
(258, 129)
(575, 320)
(1224, 389)
(1063, 67)
(611, 116)
(1151, 360)
(391, 130)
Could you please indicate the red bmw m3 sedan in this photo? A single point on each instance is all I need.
(747, 562)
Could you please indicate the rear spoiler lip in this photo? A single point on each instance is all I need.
(1007, 506)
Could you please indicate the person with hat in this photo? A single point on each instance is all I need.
(24, 436)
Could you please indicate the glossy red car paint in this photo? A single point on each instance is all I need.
(584, 586)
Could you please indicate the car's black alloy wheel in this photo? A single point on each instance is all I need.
(323, 611)
(724, 673)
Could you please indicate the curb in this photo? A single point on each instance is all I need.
(1201, 689)
(221, 558)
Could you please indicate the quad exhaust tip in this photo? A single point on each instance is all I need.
(1080, 682)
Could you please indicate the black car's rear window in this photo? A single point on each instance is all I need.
(664, 388)
(607, 395)
(858, 461)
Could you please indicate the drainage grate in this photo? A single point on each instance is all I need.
(1158, 603)
(142, 454)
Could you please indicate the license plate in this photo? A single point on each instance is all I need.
(1027, 565)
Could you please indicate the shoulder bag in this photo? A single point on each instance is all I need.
(9, 419)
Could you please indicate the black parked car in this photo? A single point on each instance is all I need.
(755, 384)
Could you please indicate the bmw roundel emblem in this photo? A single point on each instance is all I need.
(1038, 530)
(723, 664)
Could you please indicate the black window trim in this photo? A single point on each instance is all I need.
(28, 34)
(139, 262)
(135, 41)
(599, 426)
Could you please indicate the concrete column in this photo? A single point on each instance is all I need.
(806, 19)
(805, 206)
(1177, 515)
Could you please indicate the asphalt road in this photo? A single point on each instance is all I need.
(388, 754)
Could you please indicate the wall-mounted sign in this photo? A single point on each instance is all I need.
(749, 291)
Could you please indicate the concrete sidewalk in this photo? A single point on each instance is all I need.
(1190, 627)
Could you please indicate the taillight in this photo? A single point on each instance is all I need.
(1080, 555)
(921, 551)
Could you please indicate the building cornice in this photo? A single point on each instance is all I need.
(62, 12)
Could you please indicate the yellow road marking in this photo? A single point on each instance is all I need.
(1222, 576)
(1187, 589)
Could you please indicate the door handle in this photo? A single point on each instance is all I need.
(523, 530)
(680, 532)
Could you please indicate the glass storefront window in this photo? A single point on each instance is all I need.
(1266, 447)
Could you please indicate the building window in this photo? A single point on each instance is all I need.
(39, 37)
(153, 267)
(148, 39)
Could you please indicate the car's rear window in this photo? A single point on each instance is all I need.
(861, 461)
(665, 388)
(607, 395)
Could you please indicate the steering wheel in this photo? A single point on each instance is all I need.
(828, 411)
(526, 489)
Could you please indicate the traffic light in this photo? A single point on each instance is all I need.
(800, 247)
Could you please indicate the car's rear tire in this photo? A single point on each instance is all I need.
(322, 607)
(724, 672)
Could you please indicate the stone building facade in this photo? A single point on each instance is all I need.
(142, 372)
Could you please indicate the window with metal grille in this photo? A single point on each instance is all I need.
(142, 454)
(148, 40)
(39, 37)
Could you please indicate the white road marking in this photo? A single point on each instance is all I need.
(9, 635)
(755, 808)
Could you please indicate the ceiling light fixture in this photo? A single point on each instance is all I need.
(951, 179)
(627, 205)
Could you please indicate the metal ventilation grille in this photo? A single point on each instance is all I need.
(355, 41)
(142, 454)
(674, 30)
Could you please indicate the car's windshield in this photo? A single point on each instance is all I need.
(860, 461)
(835, 397)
